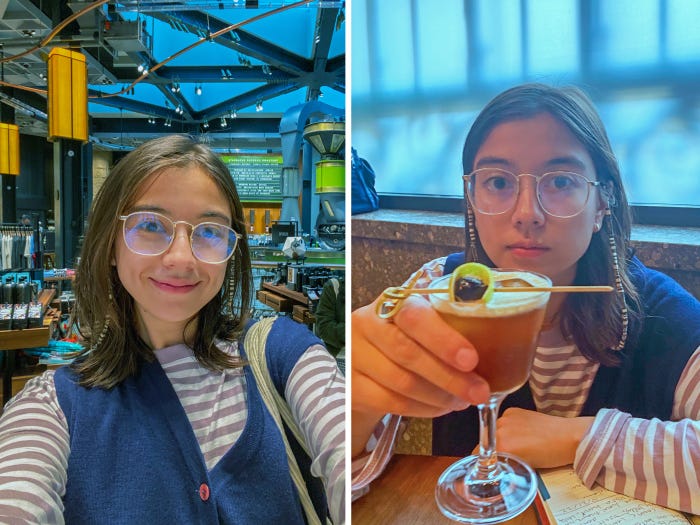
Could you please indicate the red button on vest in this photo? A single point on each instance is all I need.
(204, 491)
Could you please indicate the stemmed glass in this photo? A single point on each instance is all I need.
(492, 487)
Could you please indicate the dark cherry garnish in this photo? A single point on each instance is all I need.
(468, 288)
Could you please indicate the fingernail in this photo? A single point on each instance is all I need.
(466, 359)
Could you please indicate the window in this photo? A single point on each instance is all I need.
(427, 68)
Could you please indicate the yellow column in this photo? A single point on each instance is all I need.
(9, 149)
(67, 95)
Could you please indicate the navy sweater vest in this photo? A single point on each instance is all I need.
(643, 385)
(134, 457)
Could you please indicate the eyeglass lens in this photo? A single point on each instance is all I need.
(559, 193)
(149, 233)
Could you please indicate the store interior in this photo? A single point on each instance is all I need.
(263, 86)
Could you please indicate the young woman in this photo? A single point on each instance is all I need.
(160, 420)
(615, 383)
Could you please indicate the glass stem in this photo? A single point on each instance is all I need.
(487, 463)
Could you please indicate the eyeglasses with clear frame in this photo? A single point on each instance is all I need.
(151, 233)
(562, 194)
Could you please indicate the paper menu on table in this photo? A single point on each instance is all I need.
(572, 503)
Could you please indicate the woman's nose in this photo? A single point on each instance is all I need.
(180, 249)
(527, 210)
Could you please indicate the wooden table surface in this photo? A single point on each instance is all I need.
(405, 494)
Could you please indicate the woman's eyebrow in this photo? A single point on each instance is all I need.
(157, 209)
(568, 161)
(492, 161)
(216, 215)
(147, 207)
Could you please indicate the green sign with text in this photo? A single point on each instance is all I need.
(258, 178)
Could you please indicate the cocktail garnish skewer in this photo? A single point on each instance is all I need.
(398, 290)
(395, 295)
(390, 303)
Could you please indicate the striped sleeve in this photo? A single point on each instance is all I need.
(380, 448)
(651, 460)
(427, 273)
(315, 392)
(34, 449)
(367, 467)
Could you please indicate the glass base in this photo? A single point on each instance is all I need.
(502, 496)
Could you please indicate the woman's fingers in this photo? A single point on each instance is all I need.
(423, 324)
(415, 356)
(368, 396)
(400, 386)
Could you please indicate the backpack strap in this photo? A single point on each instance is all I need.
(255, 343)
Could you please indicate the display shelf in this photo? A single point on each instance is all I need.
(13, 340)
(56, 279)
(24, 338)
(282, 290)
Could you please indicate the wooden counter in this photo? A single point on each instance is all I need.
(282, 299)
(282, 290)
(12, 340)
(25, 338)
(405, 495)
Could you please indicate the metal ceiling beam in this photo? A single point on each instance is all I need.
(31, 100)
(129, 128)
(336, 65)
(222, 73)
(323, 34)
(174, 98)
(287, 71)
(23, 107)
(129, 104)
(143, 6)
(243, 41)
(247, 99)
(35, 13)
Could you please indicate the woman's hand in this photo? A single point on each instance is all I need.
(416, 365)
(543, 441)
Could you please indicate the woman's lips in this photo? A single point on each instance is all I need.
(526, 250)
(173, 287)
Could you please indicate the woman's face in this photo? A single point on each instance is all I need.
(526, 237)
(170, 289)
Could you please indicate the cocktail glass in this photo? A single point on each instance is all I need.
(492, 487)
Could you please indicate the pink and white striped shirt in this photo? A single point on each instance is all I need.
(651, 460)
(34, 440)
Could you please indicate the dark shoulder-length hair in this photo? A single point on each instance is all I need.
(105, 311)
(593, 321)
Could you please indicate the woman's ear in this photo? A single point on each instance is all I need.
(606, 201)
(607, 195)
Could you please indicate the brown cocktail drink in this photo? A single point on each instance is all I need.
(504, 330)
(491, 487)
